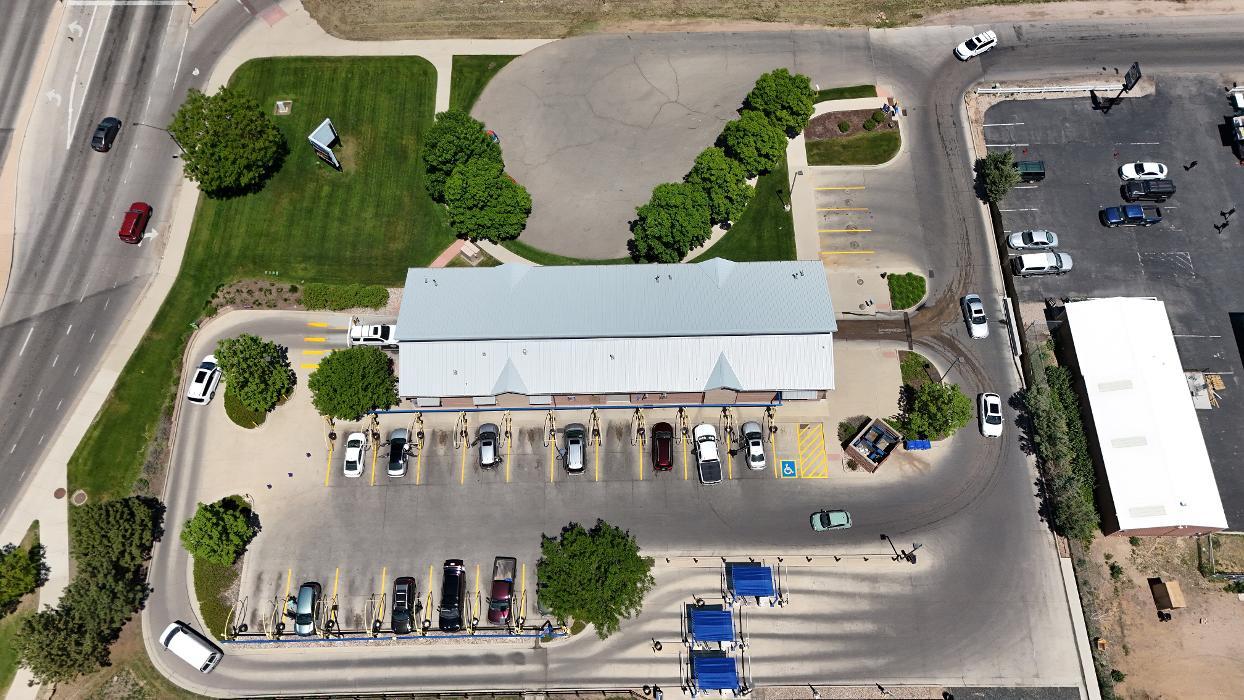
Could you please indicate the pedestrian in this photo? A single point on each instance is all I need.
(1190, 166)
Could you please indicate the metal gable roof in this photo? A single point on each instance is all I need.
(712, 298)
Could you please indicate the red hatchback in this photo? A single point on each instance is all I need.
(662, 447)
(135, 223)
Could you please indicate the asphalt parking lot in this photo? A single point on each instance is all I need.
(1184, 260)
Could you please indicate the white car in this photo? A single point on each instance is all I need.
(352, 466)
(990, 415)
(1143, 171)
(977, 45)
(1036, 239)
(203, 384)
(378, 335)
(708, 462)
(754, 440)
(974, 316)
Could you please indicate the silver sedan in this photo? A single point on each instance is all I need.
(1036, 239)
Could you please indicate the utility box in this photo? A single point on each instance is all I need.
(470, 251)
(1167, 595)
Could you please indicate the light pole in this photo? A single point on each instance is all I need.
(790, 192)
(160, 128)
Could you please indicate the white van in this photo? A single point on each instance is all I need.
(190, 647)
(1047, 263)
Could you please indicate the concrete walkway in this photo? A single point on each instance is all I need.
(297, 34)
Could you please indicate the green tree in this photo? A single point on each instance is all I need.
(453, 140)
(785, 98)
(936, 410)
(595, 576)
(54, 646)
(230, 144)
(21, 572)
(352, 382)
(485, 203)
(673, 222)
(217, 533)
(754, 142)
(996, 174)
(723, 182)
(257, 371)
(117, 532)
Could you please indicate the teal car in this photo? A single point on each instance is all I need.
(831, 520)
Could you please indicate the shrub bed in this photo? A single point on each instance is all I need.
(335, 297)
(906, 290)
(240, 414)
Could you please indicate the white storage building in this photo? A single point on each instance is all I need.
(1158, 478)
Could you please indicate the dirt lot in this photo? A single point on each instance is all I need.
(410, 19)
(1195, 655)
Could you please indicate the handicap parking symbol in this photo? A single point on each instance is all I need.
(788, 469)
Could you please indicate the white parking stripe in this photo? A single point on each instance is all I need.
(1005, 124)
(1005, 145)
(1017, 210)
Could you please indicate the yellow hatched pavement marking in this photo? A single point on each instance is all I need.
(813, 460)
(317, 324)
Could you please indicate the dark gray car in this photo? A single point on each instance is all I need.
(304, 609)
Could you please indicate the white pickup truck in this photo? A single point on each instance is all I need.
(376, 335)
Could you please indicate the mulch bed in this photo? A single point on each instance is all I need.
(826, 126)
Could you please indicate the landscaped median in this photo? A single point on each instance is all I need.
(367, 224)
(867, 136)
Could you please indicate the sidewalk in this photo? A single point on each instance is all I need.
(297, 34)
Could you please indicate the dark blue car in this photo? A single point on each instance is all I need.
(1131, 215)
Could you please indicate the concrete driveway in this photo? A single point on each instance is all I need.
(591, 124)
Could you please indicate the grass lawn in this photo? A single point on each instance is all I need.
(845, 93)
(542, 257)
(240, 414)
(906, 290)
(766, 230)
(11, 623)
(309, 223)
(865, 149)
(914, 368)
(469, 76)
(211, 582)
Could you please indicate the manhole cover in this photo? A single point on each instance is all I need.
(855, 244)
(58, 494)
(78, 498)
(859, 281)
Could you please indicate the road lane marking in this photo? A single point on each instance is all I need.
(1018, 210)
(92, 338)
(55, 359)
(843, 209)
(849, 187)
(1005, 145)
(72, 122)
(309, 365)
(27, 340)
(847, 252)
(844, 230)
(68, 329)
(314, 339)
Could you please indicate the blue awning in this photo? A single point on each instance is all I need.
(714, 673)
(751, 580)
(712, 626)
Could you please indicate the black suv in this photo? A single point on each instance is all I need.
(1147, 190)
(453, 591)
(405, 598)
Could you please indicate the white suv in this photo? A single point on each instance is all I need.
(1047, 263)
(707, 459)
(203, 384)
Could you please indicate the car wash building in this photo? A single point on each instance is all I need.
(1153, 471)
(716, 332)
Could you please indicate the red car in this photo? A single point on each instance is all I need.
(662, 447)
(135, 222)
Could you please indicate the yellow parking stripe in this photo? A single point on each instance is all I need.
(289, 574)
(419, 467)
(844, 230)
(314, 339)
(849, 187)
(309, 365)
(509, 446)
(847, 252)
(684, 461)
(384, 576)
(552, 462)
(598, 461)
(317, 324)
(462, 473)
(336, 579)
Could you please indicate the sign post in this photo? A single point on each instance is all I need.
(322, 140)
